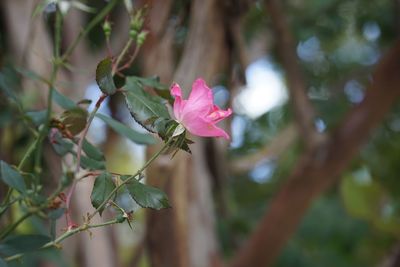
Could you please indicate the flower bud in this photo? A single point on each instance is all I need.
(133, 34)
(141, 38)
(137, 21)
(107, 28)
(120, 218)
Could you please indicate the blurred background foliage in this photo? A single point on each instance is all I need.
(356, 222)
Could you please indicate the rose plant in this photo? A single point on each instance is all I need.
(147, 100)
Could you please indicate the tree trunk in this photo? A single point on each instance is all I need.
(184, 235)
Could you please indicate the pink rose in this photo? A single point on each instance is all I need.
(198, 114)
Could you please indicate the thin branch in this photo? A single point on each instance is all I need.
(97, 19)
(78, 159)
(122, 55)
(320, 168)
(131, 59)
(304, 111)
(67, 234)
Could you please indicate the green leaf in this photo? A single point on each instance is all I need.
(61, 145)
(103, 186)
(56, 214)
(134, 136)
(151, 82)
(39, 8)
(75, 120)
(147, 196)
(91, 151)
(148, 110)
(11, 177)
(8, 84)
(104, 77)
(63, 101)
(362, 196)
(83, 7)
(154, 82)
(124, 199)
(24, 243)
(31, 74)
(37, 117)
(92, 164)
(3, 263)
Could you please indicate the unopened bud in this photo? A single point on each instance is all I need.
(120, 218)
(137, 22)
(107, 28)
(133, 34)
(141, 38)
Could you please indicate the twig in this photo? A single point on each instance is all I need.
(129, 63)
(122, 55)
(66, 235)
(90, 26)
(78, 158)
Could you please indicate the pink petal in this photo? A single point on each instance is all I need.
(176, 90)
(203, 127)
(179, 103)
(200, 99)
(217, 114)
(198, 114)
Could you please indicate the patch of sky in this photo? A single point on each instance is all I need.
(354, 91)
(320, 125)
(221, 96)
(371, 31)
(263, 171)
(310, 51)
(238, 126)
(265, 89)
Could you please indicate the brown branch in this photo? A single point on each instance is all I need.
(320, 168)
(304, 111)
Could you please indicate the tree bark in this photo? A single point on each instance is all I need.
(184, 235)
